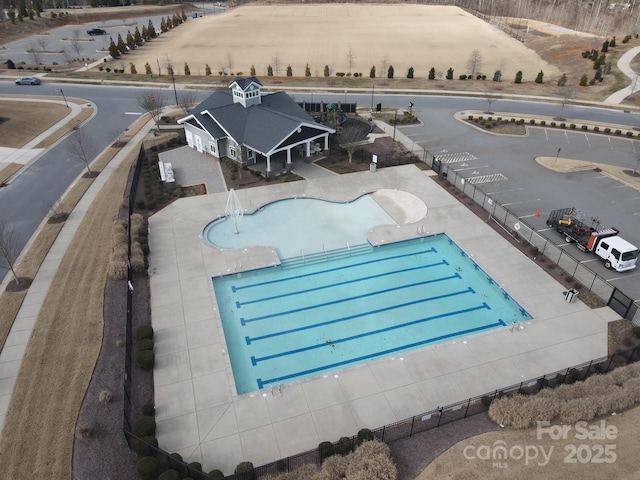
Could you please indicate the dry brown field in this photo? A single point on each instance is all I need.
(346, 37)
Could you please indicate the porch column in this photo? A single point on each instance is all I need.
(289, 155)
(326, 141)
(308, 148)
(268, 163)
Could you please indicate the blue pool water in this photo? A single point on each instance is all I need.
(285, 323)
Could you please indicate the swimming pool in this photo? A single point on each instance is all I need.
(297, 320)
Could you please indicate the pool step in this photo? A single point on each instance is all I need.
(321, 257)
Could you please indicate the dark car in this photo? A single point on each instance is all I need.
(96, 31)
(28, 81)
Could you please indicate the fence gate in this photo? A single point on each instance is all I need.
(620, 303)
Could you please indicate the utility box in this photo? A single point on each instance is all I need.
(372, 167)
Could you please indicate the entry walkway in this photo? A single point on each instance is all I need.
(198, 412)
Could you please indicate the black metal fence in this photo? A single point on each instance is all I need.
(321, 107)
(388, 433)
(621, 303)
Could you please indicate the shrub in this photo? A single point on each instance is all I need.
(145, 359)
(518, 77)
(572, 126)
(563, 125)
(105, 397)
(543, 122)
(216, 474)
(325, 449)
(470, 117)
(553, 124)
(144, 426)
(372, 72)
(365, 435)
(584, 127)
(370, 457)
(583, 80)
(607, 130)
(195, 466)
(432, 74)
(618, 132)
(462, 77)
(450, 74)
(532, 122)
(410, 72)
(344, 445)
(84, 430)
(596, 129)
(145, 344)
(244, 471)
(144, 331)
(169, 475)
(629, 134)
(147, 467)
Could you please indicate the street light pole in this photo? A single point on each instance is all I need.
(65, 98)
(372, 88)
(558, 153)
(395, 122)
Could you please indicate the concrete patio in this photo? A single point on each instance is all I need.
(198, 412)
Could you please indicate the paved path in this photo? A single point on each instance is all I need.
(624, 64)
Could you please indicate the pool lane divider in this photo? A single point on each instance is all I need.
(234, 288)
(248, 339)
(340, 284)
(483, 305)
(244, 321)
(262, 383)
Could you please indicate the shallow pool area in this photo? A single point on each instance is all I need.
(301, 226)
(303, 318)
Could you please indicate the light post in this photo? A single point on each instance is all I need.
(395, 122)
(372, 88)
(65, 98)
(345, 96)
(558, 153)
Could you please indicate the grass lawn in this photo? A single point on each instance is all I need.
(26, 120)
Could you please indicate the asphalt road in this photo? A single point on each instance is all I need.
(506, 164)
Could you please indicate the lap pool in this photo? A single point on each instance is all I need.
(303, 318)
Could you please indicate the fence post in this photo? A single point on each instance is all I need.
(383, 430)
(586, 375)
(439, 415)
(467, 409)
(413, 420)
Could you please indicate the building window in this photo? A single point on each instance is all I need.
(232, 151)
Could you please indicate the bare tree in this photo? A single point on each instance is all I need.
(35, 54)
(9, 249)
(350, 58)
(566, 94)
(186, 100)
(384, 65)
(491, 97)
(474, 62)
(352, 136)
(57, 211)
(276, 64)
(439, 74)
(76, 44)
(42, 42)
(152, 102)
(82, 147)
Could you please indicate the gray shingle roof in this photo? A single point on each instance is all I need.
(261, 127)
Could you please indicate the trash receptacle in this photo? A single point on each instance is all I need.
(570, 295)
(372, 167)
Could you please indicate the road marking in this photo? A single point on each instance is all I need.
(470, 168)
(587, 138)
(495, 177)
(566, 137)
(455, 157)
(133, 113)
(622, 278)
(505, 191)
(546, 134)
(544, 229)
(563, 244)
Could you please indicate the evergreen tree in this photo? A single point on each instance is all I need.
(450, 74)
(289, 71)
(163, 25)
(145, 33)
(150, 30)
(326, 71)
(612, 43)
(137, 36)
(432, 73)
(252, 71)
(372, 72)
(31, 14)
(177, 19)
(207, 70)
(22, 10)
(37, 6)
(307, 71)
(187, 70)
(497, 76)
(390, 72)
(131, 43)
(539, 77)
(410, 72)
(563, 80)
(598, 76)
(122, 48)
(605, 46)
(270, 71)
(147, 68)
(132, 69)
(583, 80)
(113, 49)
(12, 16)
(519, 76)
(184, 16)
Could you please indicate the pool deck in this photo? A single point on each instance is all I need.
(198, 412)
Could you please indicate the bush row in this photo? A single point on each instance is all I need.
(585, 400)
(491, 121)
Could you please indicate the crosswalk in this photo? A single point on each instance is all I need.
(494, 177)
(455, 157)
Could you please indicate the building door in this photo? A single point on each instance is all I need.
(189, 136)
(198, 143)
